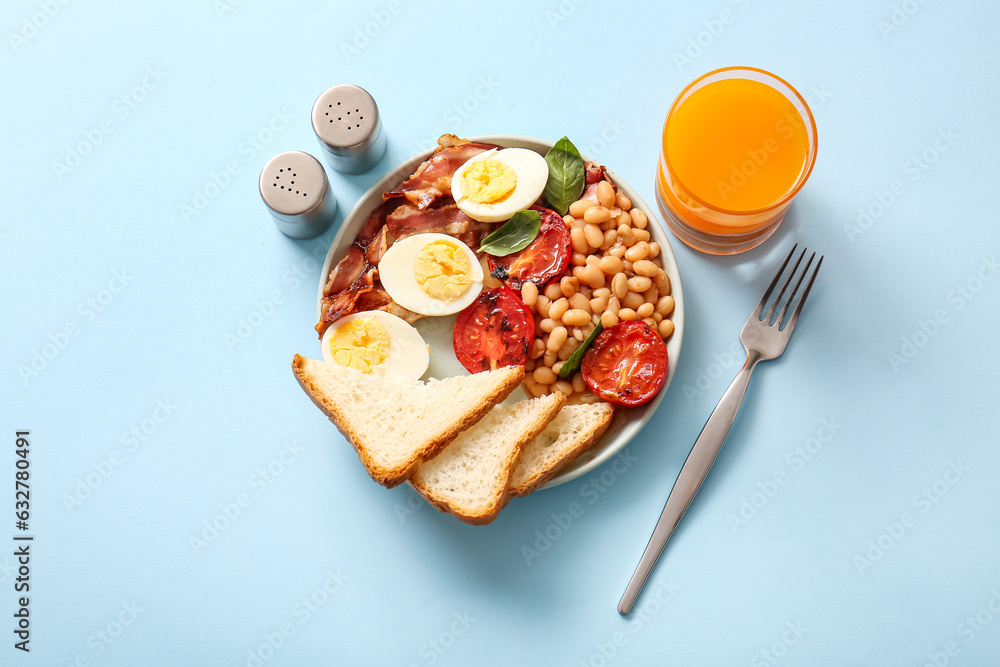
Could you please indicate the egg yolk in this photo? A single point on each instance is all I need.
(487, 181)
(443, 270)
(361, 344)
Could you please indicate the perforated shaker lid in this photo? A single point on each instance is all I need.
(293, 186)
(346, 120)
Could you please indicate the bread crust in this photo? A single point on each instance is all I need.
(510, 463)
(391, 477)
(540, 479)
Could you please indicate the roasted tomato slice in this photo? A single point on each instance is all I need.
(626, 364)
(495, 330)
(545, 258)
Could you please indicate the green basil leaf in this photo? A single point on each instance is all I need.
(567, 176)
(572, 365)
(513, 235)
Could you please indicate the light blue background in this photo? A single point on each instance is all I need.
(228, 75)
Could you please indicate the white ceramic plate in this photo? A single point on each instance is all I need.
(437, 331)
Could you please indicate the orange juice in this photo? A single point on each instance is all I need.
(737, 146)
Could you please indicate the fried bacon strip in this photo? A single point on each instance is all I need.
(432, 179)
(595, 174)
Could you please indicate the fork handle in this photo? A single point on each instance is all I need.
(699, 461)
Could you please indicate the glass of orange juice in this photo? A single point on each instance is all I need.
(738, 145)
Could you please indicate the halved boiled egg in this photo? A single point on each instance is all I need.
(376, 342)
(494, 185)
(431, 274)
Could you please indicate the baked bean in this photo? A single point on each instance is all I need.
(534, 388)
(651, 295)
(594, 235)
(639, 284)
(568, 220)
(654, 249)
(579, 385)
(564, 386)
(618, 250)
(557, 339)
(650, 322)
(626, 314)
(569, 285)
(556, 367)
(644, 311)
(605, 194)
(639, 219)
(586, 291)
(633, 300)
(579, 207)
(549, 357)
(662, 282)
(665, 328)
(544, 375)
(641, 235)
(529, 294)
(615, 212)
(644, 267)
(596, 319)
(657, 317)
(638, 251)
(598, 304)
(665, 305)
(580, 301)
(578, 317)
(595, 215)
(579, 240)
(609, 320)
(622, 201)
(627, 268)
(548, 324)
(578, 259)
(610, 237)
(542, 305)
(614, 305)
(626, 234)
(537, 348)
(591, 275)
(576, 333)
(552, 291)
(602, 292)
(625, 219)
(558, 308)
(610, 265)
(619, 285)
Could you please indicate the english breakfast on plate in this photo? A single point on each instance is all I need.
(551, 304)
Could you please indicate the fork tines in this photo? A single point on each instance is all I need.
(779, 319)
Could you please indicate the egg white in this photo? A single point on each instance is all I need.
(397, 273)
(531, 172)
(408, 356)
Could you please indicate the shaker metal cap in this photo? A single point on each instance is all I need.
(296, 192)
(346, 121)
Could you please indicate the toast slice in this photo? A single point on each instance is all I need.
(570, 434)
(395, 425)
(469, 478)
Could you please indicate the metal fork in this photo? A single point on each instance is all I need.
(764, 337)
